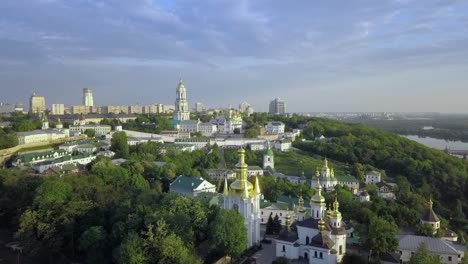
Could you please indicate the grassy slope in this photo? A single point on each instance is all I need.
(293, 163)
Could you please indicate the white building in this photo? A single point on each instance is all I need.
(228, 124)
(207, 129)
(283, 145)
(82, 159)
(88, 97)
(221, 174)
(316, 240)
(373, 177)
(364, 197)
(449, 252)
(98, 129)
(257, 146)
(274, 128)
(327, 179)
(37, 136)
(190, 126)
(254, 171)
(192, 186)
(244, 198)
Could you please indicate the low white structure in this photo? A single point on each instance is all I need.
(275, 127)
(98, 129)
(37, 136)
(373, 177)
(190, 126)
(450, 253)
(221, 174)
(254, 171)
(36, 157)
(207, 129)
(364, 197)
(132, 141)
(192, 186)
(86, 148)
(78, 159)
(283, 145)
(257, 146)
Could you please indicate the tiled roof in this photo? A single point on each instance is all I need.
(434, 245)
(287, 234)
(322, 240)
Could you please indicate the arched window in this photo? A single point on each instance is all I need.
(321, 255)
(236, 207)
(315, 254)
(340, 250)
(307, 240)
(284, 248)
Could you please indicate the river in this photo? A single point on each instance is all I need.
(439, 143)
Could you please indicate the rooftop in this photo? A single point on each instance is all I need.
(186, 184)
(434, 245)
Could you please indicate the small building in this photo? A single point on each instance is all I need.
(86, 148)
(36, 157)
(373, 177)
(283, 145)
(82, 159)
(275, 127)
(190, 126)
(207, 129)
(257, 146)
(429, 217)
(386, 190)
(192, 186)
(221, 174)
(364, 197)
(268, 159)
(37, 136)
(349, 181)
(254, 171)
(97, 128)
(449, 252)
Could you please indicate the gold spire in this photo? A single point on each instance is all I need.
(288, 218)
(317, 173)
(245, 191)
(336, 205)
(241, 185)
(321, 225)
(225, 190)
(257, 185)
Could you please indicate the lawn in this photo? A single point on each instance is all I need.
(296, 162)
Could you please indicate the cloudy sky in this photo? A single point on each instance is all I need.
(321, 55)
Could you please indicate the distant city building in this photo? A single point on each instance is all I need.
(135, 109)
(58, 109)
(37, 136)
(181, 105)
(88, 97)
(37, 104)
(246, 108)
(207, 129)
(81, 109)
(277, 107)
(199, 107)
(10, 108)
(98, 129)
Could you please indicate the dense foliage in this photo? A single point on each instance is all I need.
(429, 172)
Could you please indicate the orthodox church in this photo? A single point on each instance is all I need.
(320, 238)
(325, 177)
(245, 198)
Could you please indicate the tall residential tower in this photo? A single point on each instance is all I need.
(277, 107)
(37, 104)
(88, 97)
(181, 104)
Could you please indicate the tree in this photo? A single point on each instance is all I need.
(174, 251)
(228, 233)
(270, 228)
(132, 250)
(93, 243)
(381, 237)
(119, 144)
(251, 133)
(90, 133)
(425, 230)
(352, 259)
(276, 224)
(423, 256)
(237, 130)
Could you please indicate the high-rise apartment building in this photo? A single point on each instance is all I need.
(37, 104)
(277, 107)
(88, 97)
(58, 109)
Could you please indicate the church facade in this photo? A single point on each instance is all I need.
(320, 238)
(244, 197)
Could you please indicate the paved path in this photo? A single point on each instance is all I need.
(267, 254)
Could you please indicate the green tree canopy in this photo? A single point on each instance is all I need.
(229, 234)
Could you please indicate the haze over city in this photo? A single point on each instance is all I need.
(392, 55)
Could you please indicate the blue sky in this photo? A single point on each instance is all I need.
(333, 55)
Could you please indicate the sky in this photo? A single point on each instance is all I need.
(318, 56)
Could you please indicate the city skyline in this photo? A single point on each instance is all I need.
(394, 55)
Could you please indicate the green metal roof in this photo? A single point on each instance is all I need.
(254, 167)
(346, 178)
(28, 157)
(185, 184)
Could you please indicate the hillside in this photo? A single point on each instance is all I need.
(430, 172)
